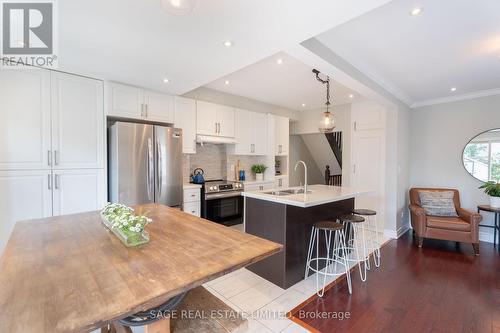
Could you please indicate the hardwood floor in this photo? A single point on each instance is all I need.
(442, 287)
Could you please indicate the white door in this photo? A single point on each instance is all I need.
(259, 133)
(206, 118)
(244, 135)
(368, 158)
(24, 195)
(77, 191)
(159, 107)
(225, 118)
(185, 118)
(25, 119)
(77, 122)
(124, 101)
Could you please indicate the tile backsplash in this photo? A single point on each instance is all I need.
(217, 164)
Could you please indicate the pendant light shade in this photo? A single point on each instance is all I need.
(179, 7)
(327, 123)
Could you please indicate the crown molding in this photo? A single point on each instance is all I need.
(455, 98)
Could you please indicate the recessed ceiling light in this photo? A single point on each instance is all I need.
(165, 80)
(303, 105)
(416, 11)
(226, 82)
(351, 96)
(279, 61)
(453, 89)
(228, 43)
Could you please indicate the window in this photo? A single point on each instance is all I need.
(482, 160)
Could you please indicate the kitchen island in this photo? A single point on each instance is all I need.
(286, 217)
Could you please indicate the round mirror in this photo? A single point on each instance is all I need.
(481, 156)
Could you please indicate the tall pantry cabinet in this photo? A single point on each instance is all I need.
(52, 138)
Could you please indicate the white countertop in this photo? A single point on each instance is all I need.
(320, 194)
(189, 186)
(255, 182)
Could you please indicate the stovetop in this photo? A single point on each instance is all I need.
(220, 185)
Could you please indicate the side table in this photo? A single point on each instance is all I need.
(496, 227)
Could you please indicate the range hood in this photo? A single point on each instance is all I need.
(214, 139)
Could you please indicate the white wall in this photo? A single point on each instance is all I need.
(299, 151)
(439, 134)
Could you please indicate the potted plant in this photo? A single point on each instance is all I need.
(493, 190)
(259, 170)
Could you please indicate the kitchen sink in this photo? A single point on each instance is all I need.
(287, 192)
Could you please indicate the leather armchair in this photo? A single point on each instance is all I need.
(464, 228)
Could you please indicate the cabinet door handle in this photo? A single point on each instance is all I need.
(142, 110)
(56, 182)
(49, 158)
(56, 157)
(215, 128)
(49, 181)
(219, 128)
(146, 110)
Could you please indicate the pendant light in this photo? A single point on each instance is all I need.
(179, 7)
(327, 122)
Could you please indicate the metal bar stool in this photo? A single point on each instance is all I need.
(354, 226)
(335, 254)
(372, 227)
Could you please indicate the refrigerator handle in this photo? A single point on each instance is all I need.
(159, 168)
(149, 165)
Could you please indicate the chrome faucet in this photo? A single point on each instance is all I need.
(305, 174)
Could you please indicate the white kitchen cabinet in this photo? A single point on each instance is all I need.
(131, 102)
(214, 119)
(24, 195)
(185, 118)
(259, 132)
(25, 119)
(191, 202)
(251, 133)
(282, 130)
(77, 122)
(206, 118)
(77, 191)
(225, 118)
(124, 101)
(244, 135)
(158, 107)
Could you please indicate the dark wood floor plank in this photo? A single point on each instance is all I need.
(441, 287)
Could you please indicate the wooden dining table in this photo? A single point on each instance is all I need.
(71, 274)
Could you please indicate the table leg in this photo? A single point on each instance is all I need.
(160, 326)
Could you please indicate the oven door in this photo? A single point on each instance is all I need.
(224, 208)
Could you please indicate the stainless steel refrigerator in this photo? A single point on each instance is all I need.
(145, 164)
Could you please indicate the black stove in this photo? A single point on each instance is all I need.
(221, 201)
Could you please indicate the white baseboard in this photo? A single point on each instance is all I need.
(395, 234)
(486, 237)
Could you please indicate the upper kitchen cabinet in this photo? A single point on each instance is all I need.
(158, 107)
(124, 101)
(282, 130)
(215, 120)
(136, 103)
(251, 133)
(77, 122)
(25, 119)
(185, 118)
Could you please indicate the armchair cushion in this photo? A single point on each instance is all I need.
(448, 223)
(438, 203)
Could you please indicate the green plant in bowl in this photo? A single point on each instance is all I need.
(492, 189)
(129, 228)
